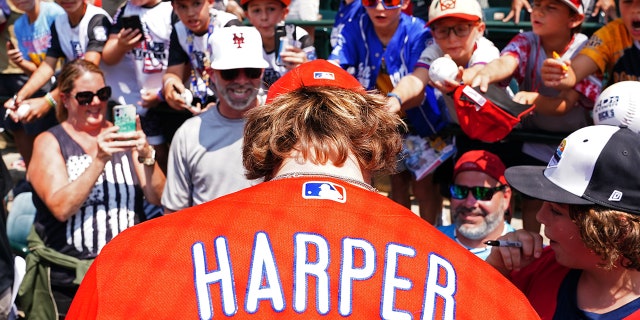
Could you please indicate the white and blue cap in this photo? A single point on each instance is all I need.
(236, 47)
(594, 165)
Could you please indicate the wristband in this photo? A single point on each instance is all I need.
(395, 95)
(160, 95)
(52, 102)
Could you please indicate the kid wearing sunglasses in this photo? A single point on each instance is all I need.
(379, 46)
(480, 199)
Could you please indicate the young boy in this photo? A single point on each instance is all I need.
(189, 54)
(265, 15)
(555, 26)
(33, 35)
(380, 45)
(457, 29)
(611, 51)
(147, 51)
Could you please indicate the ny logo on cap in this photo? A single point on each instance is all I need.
(238, 40)
(447, 4)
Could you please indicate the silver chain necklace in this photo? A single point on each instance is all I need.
(356, 182)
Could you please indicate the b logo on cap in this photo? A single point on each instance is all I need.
(238, 40)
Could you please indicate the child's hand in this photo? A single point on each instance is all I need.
(393, 105)
(553, 71)
(447, 85)
(149, 98)
(14, 54)
(129, 38)
(293, 56)
(481, 80)
(525, 97)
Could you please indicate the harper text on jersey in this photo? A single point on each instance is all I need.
(264, 279)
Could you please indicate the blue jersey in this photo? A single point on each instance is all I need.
(35, 38)
(346, 13)
(360, 51)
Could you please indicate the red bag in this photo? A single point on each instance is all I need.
(488, 116)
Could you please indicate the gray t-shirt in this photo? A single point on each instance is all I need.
(205, 161)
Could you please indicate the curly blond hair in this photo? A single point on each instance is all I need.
(613, 235)
(322, 123)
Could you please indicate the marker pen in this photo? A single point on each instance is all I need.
(559, 58)
(504, 243)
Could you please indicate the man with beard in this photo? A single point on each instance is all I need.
(205, 158)
(479, 199)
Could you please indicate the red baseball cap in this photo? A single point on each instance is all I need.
(575, 5)
(488, 116)
(318, 72)
(482, 161)
(285, 2)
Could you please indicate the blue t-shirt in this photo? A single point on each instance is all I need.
(34, 39)
(483, 252)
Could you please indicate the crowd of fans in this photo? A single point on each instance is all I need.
(194, 70)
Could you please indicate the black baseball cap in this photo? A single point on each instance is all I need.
(598, 164)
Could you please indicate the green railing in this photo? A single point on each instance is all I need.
(497, 31)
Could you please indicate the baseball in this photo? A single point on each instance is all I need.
(443, 69)
(187, 96)
(22, 110)
(616, 106)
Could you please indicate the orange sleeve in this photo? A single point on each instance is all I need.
(85, 303)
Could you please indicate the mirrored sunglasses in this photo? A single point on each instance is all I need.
(86, 97)
(479, 193)
(387, 4)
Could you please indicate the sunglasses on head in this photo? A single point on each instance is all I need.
(479, 193)
(231, 74)
(86, 97)
(387, 4)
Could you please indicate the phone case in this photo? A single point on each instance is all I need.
(124, 116)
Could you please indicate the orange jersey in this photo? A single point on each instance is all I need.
(293, 248)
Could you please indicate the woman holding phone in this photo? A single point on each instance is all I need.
(89, 179)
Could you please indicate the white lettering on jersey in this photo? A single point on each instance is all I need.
(446, 291)
(311, 261)
(349, 273)
(204, 278)
(305, 267)
(392, 281)
(264, 279)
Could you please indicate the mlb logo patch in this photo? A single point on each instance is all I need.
(324, 75)
(324, 190)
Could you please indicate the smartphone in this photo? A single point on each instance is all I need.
(132, 22)
(124, 116)
(282, 39)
